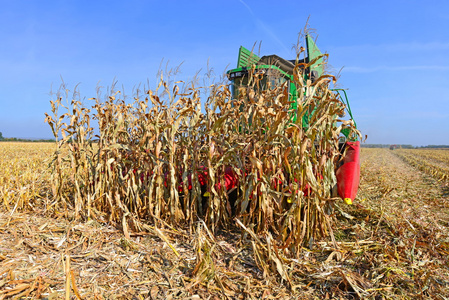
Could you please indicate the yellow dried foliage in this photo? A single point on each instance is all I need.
(24, 173)
(131, 162)
(433, 162)
(393, 244)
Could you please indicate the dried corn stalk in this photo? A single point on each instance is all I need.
(144, 161)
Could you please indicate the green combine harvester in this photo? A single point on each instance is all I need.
(276, 71)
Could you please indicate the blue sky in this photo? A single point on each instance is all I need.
(394, 54)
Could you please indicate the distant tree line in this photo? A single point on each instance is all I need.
(387, 146)
(435, 146)
(13, 139)
(398, 146)
(375, 146)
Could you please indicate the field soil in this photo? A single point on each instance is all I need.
(392, 243)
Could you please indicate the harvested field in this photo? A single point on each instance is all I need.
(393, 243)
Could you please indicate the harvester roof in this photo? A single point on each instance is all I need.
(247, 58)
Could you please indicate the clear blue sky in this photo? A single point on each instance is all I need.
(394, 54)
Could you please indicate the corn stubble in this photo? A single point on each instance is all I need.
(135, 168)
(23, 174)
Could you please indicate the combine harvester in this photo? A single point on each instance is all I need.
(276, 71)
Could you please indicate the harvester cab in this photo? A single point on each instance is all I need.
(275, 71)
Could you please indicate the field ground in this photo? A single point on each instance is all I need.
(393, 243)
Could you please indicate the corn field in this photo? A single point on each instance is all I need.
(131, 201)
(24, 175)
(432, 162)
(392, 243)
(143, 161)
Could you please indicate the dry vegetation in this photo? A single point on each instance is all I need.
(162, 160)
(432, 162)
(393, 243)
(116, 210)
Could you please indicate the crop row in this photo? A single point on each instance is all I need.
(428, 162)
(23, 173)
(440, 156)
